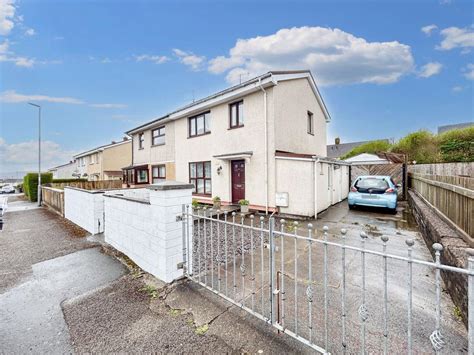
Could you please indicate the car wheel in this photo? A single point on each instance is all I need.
(351, 207)
(393, 210)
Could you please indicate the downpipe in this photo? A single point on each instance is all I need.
(266, 142)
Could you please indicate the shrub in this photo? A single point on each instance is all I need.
(243, 202)
(30, 184)
(457, 145)
(369, 147)
(420, 146)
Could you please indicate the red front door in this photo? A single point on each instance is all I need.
(238, 180)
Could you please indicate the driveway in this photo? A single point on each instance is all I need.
(251, 288)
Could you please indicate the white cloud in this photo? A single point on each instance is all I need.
(106, 60)
(469, 71)
(190, 59)
(428, 29)
(7, 14)
(445, 2)
(334, 56)
(30, 32)
(457, 88)
(23, 156)
(108, 105)
(455, 37)
(13, 97)
(8, 56)
(430, 69)
(157, 59)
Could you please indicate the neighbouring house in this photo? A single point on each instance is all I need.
(104, 162)
(450, 127)
(64, 171)
(233, 144)
(341, 149)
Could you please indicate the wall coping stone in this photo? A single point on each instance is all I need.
(170, 185)
(128, 198)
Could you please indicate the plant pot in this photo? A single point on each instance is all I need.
(217, 205)
(244, 208)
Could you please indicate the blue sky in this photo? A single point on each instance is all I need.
(99, 68)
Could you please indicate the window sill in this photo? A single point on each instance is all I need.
(141, 148)
(235, 127)
(157, 145)
(312, 134)
(199, 135)
(201, 195)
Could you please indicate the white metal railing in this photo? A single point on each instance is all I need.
(262, 269)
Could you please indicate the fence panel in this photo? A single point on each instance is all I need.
(53, 198)
(452, 196)
(90, 185)
(445, 169)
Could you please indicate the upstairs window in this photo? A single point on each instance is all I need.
(200, 177)
(158, 136)
(236, 111)
(310, 123)
(141, 141)
(200, 124)
(158, 173)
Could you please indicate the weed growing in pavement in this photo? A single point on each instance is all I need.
(150, 290)
(457, 313)
(202, 329)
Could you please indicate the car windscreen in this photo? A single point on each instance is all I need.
(371, 185)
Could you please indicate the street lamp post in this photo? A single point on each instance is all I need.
(39, 151)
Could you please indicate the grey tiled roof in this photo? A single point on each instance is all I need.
(338, 150)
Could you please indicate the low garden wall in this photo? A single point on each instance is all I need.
(145, 225)
(435, 230)
(85, 208)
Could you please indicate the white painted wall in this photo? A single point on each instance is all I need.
(85, 208)
(296, 177)
(147, 230)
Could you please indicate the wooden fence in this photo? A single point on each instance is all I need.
(89, 185)
(444, 169)
(53, 198)
(452, 196)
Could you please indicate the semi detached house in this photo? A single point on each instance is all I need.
(261, 141)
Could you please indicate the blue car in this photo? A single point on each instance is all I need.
(374, 191)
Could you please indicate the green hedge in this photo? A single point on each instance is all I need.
(68, 180)
(30, 184)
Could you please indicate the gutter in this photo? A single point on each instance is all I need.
(315, 179)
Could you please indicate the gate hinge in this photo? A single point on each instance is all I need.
(180, 265)
(179, 218)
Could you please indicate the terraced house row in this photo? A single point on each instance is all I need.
(263, 140)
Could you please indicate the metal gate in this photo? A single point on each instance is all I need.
(320, 288)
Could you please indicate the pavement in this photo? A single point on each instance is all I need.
(62, 291)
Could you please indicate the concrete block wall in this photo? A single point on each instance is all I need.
(147, 230)
(85, 208)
